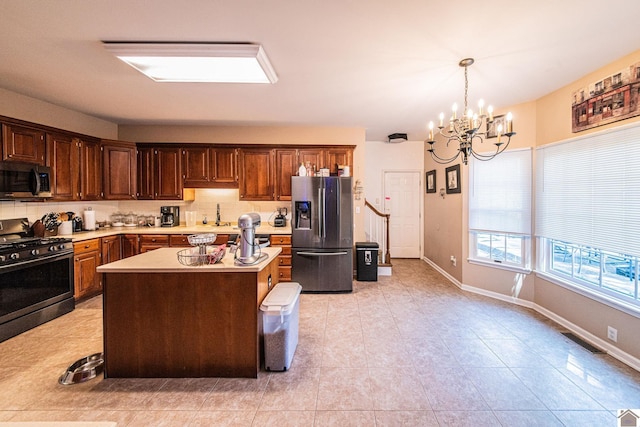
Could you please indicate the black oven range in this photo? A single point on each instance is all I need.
(36, 278)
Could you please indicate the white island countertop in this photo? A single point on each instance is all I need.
(165, 260)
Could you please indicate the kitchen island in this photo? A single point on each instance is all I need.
(163, 319)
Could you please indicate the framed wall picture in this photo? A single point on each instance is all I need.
(431, 181)
(492, 127)
(453, 179)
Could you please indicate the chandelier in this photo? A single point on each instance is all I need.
(467, 129)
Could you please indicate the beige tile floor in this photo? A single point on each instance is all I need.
(408, 350)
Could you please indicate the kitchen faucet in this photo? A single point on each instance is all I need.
(217, 214)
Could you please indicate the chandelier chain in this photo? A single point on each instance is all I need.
(466, 91)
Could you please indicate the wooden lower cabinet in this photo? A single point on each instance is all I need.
(149, 242)
(87, 256)
(129, 245)
(284, 259)
(111, 249)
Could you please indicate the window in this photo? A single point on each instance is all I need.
(588, 213)
(500, 210)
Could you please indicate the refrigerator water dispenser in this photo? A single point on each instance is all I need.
(303, 215)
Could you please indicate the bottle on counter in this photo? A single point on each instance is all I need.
(302, 171)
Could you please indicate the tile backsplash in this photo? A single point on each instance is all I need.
(205, 203)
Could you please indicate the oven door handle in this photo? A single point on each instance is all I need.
(41, 259)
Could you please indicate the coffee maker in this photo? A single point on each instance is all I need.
(170, 216)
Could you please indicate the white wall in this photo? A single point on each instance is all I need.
(381, 156)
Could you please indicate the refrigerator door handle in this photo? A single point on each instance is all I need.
(320, 212)
(323, 206)
(322, 253)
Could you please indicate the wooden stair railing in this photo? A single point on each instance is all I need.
(387, 256)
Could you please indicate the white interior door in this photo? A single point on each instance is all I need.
(402, 192)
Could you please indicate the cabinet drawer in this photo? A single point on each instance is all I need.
(86, 246)
(154, 239)
(280, 239)
(286, 251)
(284, 260)
(179, 240)
(284, 274)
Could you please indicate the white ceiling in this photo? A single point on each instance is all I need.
(386, 66)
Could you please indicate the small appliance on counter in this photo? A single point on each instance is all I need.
(170, 216)
(281, 219)
(249, 249)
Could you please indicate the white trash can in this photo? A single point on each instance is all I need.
(280, 318)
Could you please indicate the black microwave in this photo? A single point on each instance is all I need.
(24, 181)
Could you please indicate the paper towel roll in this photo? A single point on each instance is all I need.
(89, 220)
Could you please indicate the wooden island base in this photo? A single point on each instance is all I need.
(184, 324)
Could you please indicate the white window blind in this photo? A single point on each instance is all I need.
(500, 193)
(588, 191)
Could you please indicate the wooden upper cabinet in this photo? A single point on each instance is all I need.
(286, 167)
(63, 157)
(338, 156)
(312, 156)
(90, 170)
(146, 173)
(160, 173)
(119, 165)
(224, 167)
(23, 144)
(256, 173)
(168, 173)
(196, 167)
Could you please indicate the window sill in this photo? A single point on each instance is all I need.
(602, 298)
(500, 266)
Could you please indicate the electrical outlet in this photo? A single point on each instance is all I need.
(453, 260)
(612, 334)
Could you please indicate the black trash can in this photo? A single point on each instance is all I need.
(367, 261)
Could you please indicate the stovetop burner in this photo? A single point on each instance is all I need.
(16, 245)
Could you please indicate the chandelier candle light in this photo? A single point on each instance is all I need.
(465, 130)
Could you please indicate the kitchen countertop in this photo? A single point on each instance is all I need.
(165, 260)
(182, 229)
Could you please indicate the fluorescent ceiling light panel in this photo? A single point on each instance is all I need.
(197, 62)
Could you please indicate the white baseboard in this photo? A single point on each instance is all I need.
(612, 350)
(441, 271)
(384, 271)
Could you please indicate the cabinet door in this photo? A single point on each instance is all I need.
(312, 156)
(111, 249)
(23, 144)
(129, 245)
(90, 170)
(224, 167)
(119, 170)
(195, 163)
(338, 156)
(168, 173)
(63, 157)
(87, 281)
(286, 167)
(256, 174)
(145, 181)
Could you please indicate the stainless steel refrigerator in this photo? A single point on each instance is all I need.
(322, 233)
